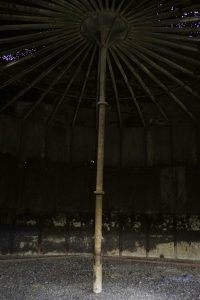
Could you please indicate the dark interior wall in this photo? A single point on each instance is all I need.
(49, 187)
(177, 144)
(47, 179)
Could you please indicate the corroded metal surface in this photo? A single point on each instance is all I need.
(142, 236)
(122, 33)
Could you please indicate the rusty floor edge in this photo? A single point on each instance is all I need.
(157, 261)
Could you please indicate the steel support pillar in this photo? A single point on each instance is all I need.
(102, 104)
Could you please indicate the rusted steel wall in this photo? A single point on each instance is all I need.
(47, 209)
(156, 236)
(173, 145)
(152, 184)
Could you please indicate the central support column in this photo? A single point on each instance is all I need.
(97, 283)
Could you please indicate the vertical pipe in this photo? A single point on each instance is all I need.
(97, 280)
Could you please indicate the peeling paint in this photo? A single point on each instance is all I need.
(107, 226)
(163, 249)
(54, 239)
(60, 221)
(21, 245)
(141, 252)
(32, 223)
(114, 252)
(158, 236)
(195, 223)
(186, 250)
(76, 224)
(137, 226)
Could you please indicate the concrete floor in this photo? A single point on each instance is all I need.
(71, 278)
